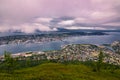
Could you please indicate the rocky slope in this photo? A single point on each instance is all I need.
(116, 46)
(85, 52)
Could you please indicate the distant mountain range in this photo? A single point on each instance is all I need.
(18, 37)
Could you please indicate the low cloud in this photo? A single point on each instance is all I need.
(41, 24)
(26, 28)
(67, 22)
(51, 24)
(79, 27)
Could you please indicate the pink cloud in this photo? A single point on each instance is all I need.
(18, 12)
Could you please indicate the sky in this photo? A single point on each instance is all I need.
(48, 15)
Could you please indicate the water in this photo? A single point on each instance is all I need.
(56, 45)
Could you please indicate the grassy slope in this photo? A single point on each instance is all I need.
(57, 71)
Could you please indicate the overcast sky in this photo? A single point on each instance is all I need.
(41, 14)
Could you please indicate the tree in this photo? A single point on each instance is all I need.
(100, 61)
(28, 62)
(9, 62)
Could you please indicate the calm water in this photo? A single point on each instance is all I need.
(56, 45)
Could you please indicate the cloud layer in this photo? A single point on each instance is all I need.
(45, 15)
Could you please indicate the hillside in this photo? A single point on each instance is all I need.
(46, 37)
(72, 62)
(116, 46)
(58, 71)
(85, 52)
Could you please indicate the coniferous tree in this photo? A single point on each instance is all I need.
(100, 61)
(9, 62)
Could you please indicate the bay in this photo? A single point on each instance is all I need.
(56, 45)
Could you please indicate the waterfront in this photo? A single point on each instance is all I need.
(56, 45)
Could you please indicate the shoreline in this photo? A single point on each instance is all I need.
(80, 52)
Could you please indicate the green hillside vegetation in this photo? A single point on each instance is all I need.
(28, 69)
(61, 71)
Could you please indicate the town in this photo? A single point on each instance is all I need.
(72, 52)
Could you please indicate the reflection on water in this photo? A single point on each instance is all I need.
(56, 45)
